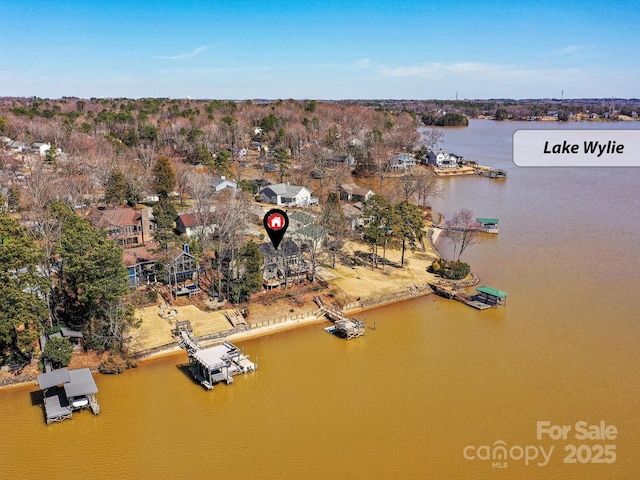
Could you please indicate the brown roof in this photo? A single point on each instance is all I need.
(133, 256)
(119, 217)
(189, 220)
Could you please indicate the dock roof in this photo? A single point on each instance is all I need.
(212, 357)
(487, 220)
(53, 378)
(492, 291)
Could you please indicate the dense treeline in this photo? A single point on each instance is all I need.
(62, 273)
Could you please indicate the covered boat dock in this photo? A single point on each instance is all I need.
(490, 296)
(67, 390)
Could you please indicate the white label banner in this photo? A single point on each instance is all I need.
(576, 148)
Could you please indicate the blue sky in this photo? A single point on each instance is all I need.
(239, 49)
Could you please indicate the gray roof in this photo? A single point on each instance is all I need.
(302, 218)
(51, 379)
(82, 383)
(287, 246)
(284, 189)
(71, 333)
(76, 382)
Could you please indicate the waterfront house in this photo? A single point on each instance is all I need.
(126, 226)
(181, 271)
(442, 159)
(350, 192)
(141, 265)
(283, 265)
(403, 161)
(286, 195)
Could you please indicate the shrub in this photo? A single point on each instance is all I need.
(116, 363)
(455, 270)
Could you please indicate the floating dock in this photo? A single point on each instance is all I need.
(488, 225)
(212, 365)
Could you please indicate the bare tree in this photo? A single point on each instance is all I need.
(432, 137)
(428, 185)
(463, 230)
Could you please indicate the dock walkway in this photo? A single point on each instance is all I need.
(344, 327)
(215, 364)
(485, 298)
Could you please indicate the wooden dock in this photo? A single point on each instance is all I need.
(486, 297)
(343, 327)
(212, 365)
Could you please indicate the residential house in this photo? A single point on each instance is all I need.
(338, 160)
(350, 192)
(17, 147)
(442, 159)
(127, 226)
(181, 270)
(40, 148)
(353, 213)
(400, 162)
(299, 220)
(286, 195)
(222, 183)
(304, 231)
(141, 262)
(283, 265)
(197, 223)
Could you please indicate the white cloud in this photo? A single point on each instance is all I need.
(182, 56)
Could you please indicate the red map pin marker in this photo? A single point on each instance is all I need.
(276, 223)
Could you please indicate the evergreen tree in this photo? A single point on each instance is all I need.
(116, 187)
(58, 351)
(92, 275)
(165, 214)
(164, 177)
(22, 310)
(408, 225)
(380, 228)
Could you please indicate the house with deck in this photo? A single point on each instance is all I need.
(283, 265)
(126, 226)
(141, 263)
(443, 160)
(402, 162)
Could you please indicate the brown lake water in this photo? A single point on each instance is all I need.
(434, 381)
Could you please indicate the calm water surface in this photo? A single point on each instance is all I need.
(433, 378)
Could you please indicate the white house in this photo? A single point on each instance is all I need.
(191, 224)
(288, 195)
(442, 159)
(221, 183)
(40, 148)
